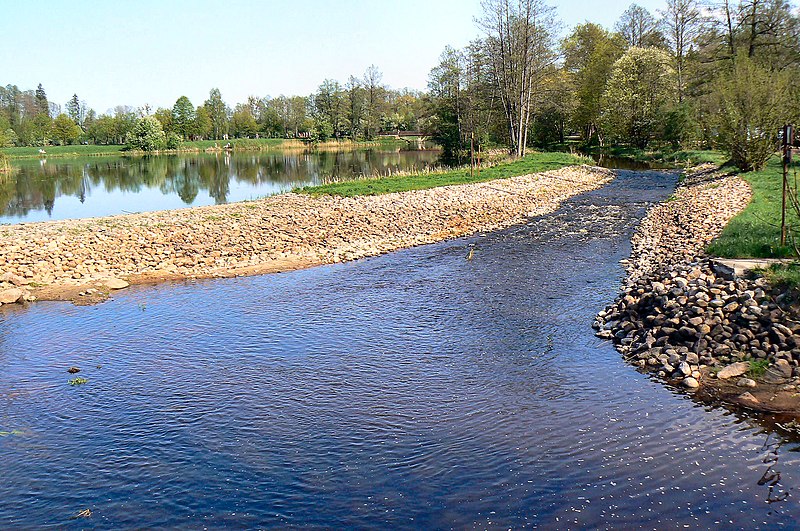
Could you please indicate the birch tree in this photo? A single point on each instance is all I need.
(519, 42)
(682, 20)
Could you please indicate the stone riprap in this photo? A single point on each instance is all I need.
(85, 258)
(698, 325)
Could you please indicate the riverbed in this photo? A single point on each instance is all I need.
(457, 385)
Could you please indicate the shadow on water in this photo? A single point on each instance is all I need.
(419, 389)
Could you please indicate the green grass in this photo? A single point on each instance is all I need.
(786, 275)
(533, 163)
(755, 232)
(4, 164)
(757, 368)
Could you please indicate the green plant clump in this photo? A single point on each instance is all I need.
(78, 381)
(757, 368)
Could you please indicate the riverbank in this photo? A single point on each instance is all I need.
(83, 260)
(690, 321)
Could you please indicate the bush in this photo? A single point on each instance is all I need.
(754, 103)
(147, 135)
(173, 141)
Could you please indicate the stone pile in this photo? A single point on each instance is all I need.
(690, 320)
(293, 229)
(687, 319)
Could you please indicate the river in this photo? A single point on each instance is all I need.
(84, 187)
(415, 390)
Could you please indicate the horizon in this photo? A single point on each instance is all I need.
(163, 62)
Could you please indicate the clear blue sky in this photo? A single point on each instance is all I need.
(153, 51)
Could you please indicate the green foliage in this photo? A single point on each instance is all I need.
(243, 124)
(757, 367)
(183, 116)
(8, 138)
(78, 381)
(754, 102)
(147, 135)
(589, 56)
(680, 127)
(532, 163)
(639, 92)
(173, 141)
(65, 130)
(755, 232)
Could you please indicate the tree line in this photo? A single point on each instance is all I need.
(693, 75)
(360, 109)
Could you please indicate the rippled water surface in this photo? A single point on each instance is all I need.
(51, 189)
(414, 390)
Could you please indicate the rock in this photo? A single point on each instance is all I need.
(691, 383)
(733, 370)
(747, 400)
(73, 370)
(11, 295)
(684, 368)
(15, 279)
(784, 368)
(115, 283)
(746, 382)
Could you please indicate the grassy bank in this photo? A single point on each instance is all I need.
(533, 163)
(238, 144)
(755, 232)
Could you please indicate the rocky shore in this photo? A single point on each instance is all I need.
(690, 320)
(83, 260)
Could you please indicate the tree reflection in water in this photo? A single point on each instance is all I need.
(182, 180)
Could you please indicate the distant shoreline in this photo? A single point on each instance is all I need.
(205, 146)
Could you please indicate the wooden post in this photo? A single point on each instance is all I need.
(472, 155)
(479, 160)
(787, 154)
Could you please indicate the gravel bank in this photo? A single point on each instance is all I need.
(82, 260)
(694, 323)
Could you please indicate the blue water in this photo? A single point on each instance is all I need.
(418, 390)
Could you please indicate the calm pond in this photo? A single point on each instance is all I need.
(50, 189)
(416, 390)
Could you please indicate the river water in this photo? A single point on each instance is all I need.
(83, 187)
(418, 390)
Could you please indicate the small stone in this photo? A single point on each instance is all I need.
(747, 399)
(746, 382)
(691, 383)
(73, 370)
(684, 368)
(733, 370)
(115, 283)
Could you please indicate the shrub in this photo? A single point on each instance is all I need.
(147, 135)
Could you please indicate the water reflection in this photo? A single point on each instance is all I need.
(98, 186)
